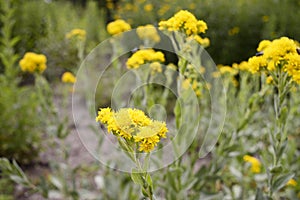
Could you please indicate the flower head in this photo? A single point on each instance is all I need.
(133, 125)
(148, 32)
(185, 22)
(292, 182)
(118, 26)
(143, 56)
(32, 62)
(255, 163)
(68, 77)
(76, 33)
(280, 54)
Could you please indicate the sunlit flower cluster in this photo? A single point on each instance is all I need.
(76, 33)
(143, 56)
(32, 62)
(255, 163)
(184, 21)
(68, 77)
(118, 26)
(133, 125)
(148, 32)
(278, 55)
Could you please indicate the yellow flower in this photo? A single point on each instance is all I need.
(263, 44)
(68, 77)
(76, 33)
(205, 42)
(269, 80)
(184, 21)
(234, 31)
(148, 7)
(133, 125)
(255, 163)
(256, 63)
(118, 26)
(143, 56)
(155, 67)
(292, 182)
(148, 32)
(32, 62)
(277, 55)
(138, 117)
(227, 69)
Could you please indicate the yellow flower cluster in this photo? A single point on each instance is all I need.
(143, 56)
(76, 33)
(32, 62)
(280, 54)
(133, 125)
(292, 182)
(68, 77)
(205, 42)
(255, 163)
(184, 21)
(118, 26)
(148, 32)
(155, 67)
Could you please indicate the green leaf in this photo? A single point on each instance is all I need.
(276, 169)
(137, 177)
(281, 181)
(149, 180)
(177, 112)
(56, 182)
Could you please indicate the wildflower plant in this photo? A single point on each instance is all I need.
(279, 61)
(136, 133)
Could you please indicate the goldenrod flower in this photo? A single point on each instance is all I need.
(292, 182)
(32, 62)
(68, 77)
(278, 54)
(76, 33)
(255, 163)
(143, 56)
(118, 26)
(148, 32)
(184, 21)
(133, 125)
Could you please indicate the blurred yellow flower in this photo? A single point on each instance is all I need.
(234, 31)
(205, 42)
(143, 56)
(32, 62)
(68, 77)
(148, 32)
(292, 182)
(155, 67)
(269, 80)
(76, 33)
(117, 26)
(148, 7)
(255, 163)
